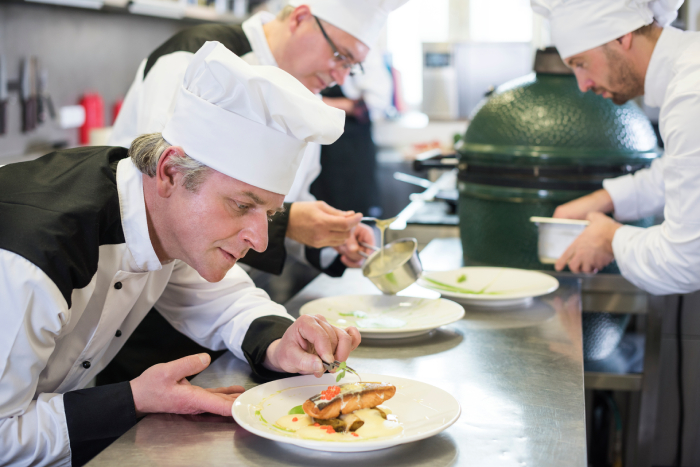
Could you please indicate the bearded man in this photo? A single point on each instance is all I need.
(622, 50)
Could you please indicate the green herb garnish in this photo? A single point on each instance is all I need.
(341, 371)
(462, 278)
(356, 314)
(259, 415)
(451, 288)
(296, 410)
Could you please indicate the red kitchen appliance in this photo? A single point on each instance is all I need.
(94, 115)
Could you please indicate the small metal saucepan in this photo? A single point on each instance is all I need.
(399, 268)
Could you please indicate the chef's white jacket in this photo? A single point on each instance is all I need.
(665, 259)
(48, 348)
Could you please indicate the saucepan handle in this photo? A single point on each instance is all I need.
(367, 245)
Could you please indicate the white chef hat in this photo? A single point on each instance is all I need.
(250, 123)
(580, 25)
(363, 19)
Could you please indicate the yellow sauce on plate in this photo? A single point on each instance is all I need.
(294, 422)
(374, 427)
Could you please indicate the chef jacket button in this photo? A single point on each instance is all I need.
(86, 364)
(118, 333)
(117, 285)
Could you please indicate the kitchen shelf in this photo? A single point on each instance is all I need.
(158, 9)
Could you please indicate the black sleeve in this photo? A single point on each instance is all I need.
(272, 259)
(261, 333)
(96, 417)
(313, 256)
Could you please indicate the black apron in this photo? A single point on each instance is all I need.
(348, 177)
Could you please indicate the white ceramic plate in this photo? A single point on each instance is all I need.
(490, 286)
(386, 316)
(422, 409)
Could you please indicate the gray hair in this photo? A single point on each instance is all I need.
(145, 153)
(285, 12)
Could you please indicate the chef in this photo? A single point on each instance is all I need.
(319, 42)
(92, 238)
(316, 41)
(622, 49)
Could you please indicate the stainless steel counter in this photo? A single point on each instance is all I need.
(517, 373)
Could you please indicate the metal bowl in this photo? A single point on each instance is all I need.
(404, 266)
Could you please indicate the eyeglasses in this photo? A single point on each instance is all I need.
(344, 61)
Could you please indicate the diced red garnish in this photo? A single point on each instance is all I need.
(295, 419)
(317, 424)
(355, 434)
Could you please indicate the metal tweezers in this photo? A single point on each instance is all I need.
(334, 366)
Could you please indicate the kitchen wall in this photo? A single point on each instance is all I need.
(692, 8)
(83, 50)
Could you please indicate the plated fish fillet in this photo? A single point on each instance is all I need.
(347, 398)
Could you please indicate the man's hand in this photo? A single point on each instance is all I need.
(163, 389)
(598, 201)
(342, 103)
(350, 250)
(592, 250)
(316, 224)
(308, 338)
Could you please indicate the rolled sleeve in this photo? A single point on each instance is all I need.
(261, 333)
(96, 417)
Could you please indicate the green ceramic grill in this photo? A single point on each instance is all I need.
(533, 144)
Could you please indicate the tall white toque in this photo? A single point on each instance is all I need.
(250, 123)
(580, 25)
(363, 19)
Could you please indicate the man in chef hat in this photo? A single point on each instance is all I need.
(92, 238)
(319, 42)
(622, 49)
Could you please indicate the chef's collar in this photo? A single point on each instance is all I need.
(133, 210)
(253, 29)
(661, 66)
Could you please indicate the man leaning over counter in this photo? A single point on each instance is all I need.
(319, 42)
(92, 238)
(621, 50)
(302, 40)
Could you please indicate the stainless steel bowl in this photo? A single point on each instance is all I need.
(402, 255)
